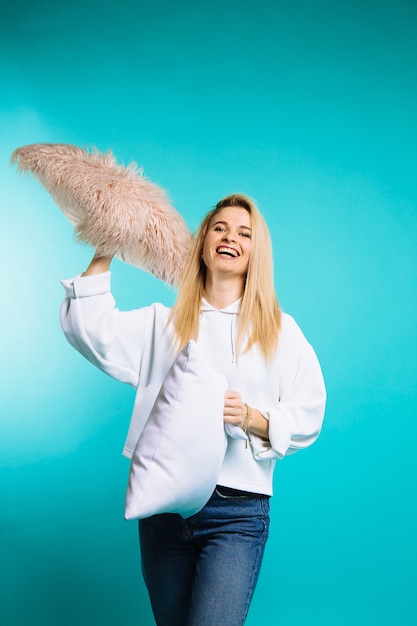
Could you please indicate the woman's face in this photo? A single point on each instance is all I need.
(227, 245)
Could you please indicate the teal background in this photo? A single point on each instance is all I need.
(310, 108)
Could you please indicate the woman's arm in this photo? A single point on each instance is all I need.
(110, 339)
(296, 420)
(98, 265)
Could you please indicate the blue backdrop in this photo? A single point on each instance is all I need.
(310, 108)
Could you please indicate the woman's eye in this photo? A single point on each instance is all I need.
(245, 235)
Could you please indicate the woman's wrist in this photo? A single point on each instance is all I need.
(98, 265)
(255, 422)
(247, 418)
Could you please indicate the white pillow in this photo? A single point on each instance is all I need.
(177, 460)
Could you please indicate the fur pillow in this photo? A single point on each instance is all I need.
(177, 460)
(114, 208)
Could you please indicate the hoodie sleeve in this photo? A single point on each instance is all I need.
(295, 421)
(110, 339)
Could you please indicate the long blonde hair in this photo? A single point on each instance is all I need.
(260, 316)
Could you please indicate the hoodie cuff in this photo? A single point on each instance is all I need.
(235, 431)
(84, 286)
(279, 438)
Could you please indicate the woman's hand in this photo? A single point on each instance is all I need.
(234, 412)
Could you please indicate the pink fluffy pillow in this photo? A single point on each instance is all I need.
(114, 208)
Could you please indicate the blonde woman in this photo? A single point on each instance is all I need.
(203, 570)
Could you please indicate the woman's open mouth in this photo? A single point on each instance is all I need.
(226, 251)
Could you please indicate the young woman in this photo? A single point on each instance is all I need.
(203, 570)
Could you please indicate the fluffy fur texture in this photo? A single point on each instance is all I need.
(113, 208)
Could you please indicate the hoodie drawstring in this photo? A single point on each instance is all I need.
(233, 328)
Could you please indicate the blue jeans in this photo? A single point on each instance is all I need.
(202, 571)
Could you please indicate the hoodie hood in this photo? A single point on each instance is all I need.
(232, 308)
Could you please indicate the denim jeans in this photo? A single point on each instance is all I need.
(202, 571)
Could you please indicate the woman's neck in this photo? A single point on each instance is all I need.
(221, 294)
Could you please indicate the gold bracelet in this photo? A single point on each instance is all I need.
(248, 418)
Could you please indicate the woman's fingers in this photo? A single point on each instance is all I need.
(233, 412)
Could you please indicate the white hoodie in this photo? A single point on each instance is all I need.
(136, 347)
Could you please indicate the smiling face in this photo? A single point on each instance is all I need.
(227, 244)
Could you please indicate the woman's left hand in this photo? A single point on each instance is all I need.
(234, 409)
(234, 412)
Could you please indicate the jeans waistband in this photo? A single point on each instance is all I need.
(230, 491)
